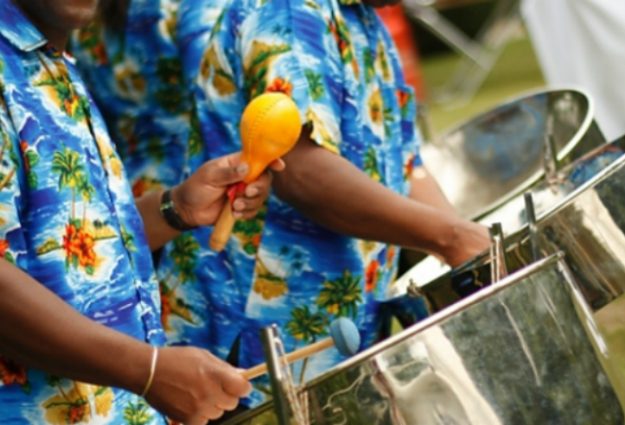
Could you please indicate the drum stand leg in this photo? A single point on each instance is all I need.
(530, 212)
(290, 405)
(498, 267)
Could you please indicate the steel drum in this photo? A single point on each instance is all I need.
(588, 226)
(493, 157)
(522, 351)
(548, 194)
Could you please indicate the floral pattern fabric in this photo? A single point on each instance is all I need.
(68, 219)
(338, 63)
(135, 75)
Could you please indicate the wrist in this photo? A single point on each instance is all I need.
(136, 369)
(171, 214)
(152, 372)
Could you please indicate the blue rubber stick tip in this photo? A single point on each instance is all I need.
(345, 335)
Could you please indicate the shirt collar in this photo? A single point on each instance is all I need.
(17, 28)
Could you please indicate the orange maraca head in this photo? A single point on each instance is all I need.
(270, 127)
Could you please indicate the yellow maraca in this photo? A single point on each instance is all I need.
(270, 126)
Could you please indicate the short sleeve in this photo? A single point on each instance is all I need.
(12, 244)
(278, 46)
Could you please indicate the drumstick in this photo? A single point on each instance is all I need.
(343, 334)
(270, 127)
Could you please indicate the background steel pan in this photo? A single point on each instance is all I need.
(493, 157)
(571, 180)
(522, 351)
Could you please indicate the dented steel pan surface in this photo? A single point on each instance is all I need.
(522, 351)
(498, 154)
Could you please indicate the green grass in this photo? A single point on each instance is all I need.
(516, 71)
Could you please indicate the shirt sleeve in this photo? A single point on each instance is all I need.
(12, 242)
(279, 46)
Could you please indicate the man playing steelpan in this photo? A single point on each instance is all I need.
(79, 305)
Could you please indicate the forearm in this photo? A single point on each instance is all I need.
(157, 231)
(424, 188)
(42, 331)
(334, 193)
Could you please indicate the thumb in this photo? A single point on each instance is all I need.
(224, 175)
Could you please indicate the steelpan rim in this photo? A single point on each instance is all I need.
(604, 173)
(446, 313)
(562, 153)
(522, 232)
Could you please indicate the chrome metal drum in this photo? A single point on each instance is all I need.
(523, 351)
(589, 228)
(499, 154)
(548, 195)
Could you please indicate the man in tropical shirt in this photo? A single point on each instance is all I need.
(130, 58)
(79, 299)
(354, 177)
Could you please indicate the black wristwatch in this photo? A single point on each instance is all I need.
(168, 211)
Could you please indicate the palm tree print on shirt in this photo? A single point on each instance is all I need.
(76, 404)
(307, 326)
(185, 257)
(78, 241)
(257, 63)
(80, 235)
(341, 296)
(137, 413)
(60, 90)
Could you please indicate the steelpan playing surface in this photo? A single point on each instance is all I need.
(493, 157)
(548, 196)
(523, 351)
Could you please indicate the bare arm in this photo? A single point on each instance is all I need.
(424, 188)
(40, 330)
(190, 385)
(334, 193)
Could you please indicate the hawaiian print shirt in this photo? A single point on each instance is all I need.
(136, 78)
(68, 219)
(339, 65)
(134, 75)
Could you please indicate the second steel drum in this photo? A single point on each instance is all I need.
(493, 157)
(570, 181)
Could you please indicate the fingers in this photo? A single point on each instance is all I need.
(227, 402)
(236, 385)
(210, 413)
(247, 205)
(277, 165)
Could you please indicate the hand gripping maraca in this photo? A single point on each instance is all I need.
(270, 126)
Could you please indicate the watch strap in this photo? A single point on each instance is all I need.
(169, 213)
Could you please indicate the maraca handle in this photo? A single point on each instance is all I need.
(223, 228)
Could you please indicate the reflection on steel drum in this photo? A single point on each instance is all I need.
(548, 195)
(524, 351)
(493, 157)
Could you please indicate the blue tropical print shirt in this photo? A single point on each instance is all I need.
(135, 76)
(68, 219)
(338, 63)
